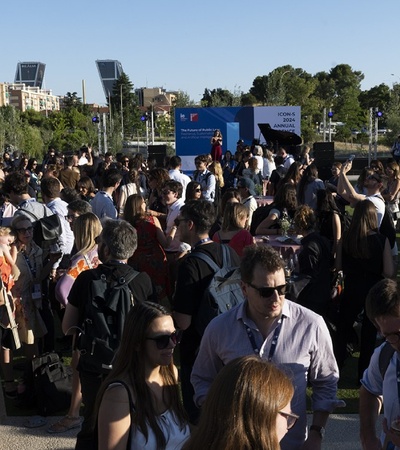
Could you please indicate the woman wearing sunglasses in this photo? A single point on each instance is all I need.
(247, 408)
(140, 405)
(27, 288)
(193, 191)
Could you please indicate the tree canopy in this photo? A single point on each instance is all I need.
(338, 89)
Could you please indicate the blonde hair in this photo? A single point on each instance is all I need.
(216, 168)
(86, 228)
(253, 164)
(4, 231)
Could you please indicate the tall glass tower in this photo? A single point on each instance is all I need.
(109, 71)
(30, 73)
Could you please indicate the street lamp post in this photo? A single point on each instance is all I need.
(281, 94)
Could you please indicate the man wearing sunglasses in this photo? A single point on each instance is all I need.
(280, 331)
(381, 379)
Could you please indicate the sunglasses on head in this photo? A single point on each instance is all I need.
(162, 341)
(269, 291)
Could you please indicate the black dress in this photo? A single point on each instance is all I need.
(314, 262)
(359, 277)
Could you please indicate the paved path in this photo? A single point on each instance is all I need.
(341, 434)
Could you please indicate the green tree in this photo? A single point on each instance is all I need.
(393, 113)
(72, 101)
(163, 125)
(217, 97)
(124, 100)
(182, 100)
(379, 97)
(31, 141)
(248, 100)
(259, 90)
(346, 104)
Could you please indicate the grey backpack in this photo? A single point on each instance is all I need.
(224, 291)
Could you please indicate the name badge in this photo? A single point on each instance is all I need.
(36, 292)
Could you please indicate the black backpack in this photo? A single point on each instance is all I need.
(105, 313)
(224, 291)
(46, 230)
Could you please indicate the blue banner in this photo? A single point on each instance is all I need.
(194, 127)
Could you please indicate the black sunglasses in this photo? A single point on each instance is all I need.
(162, 341)
(24, 230)
(268, 291)
(291, 419)
(373, 177)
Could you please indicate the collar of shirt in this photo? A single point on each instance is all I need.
(106, 194)
(242, 315)
(176, 205)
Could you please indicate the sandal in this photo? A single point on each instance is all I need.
(65, 424)
(35, 422)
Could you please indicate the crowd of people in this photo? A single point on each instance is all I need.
(243, 382)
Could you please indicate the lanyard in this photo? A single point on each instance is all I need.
(274, 340)
(398, 378)
(28, 263)
(202, 241)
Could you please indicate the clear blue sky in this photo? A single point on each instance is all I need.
(191, 46)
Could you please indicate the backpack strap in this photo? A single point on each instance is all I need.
(30, 213)
(385, 357)
(131, 276)
(226, 258)
(108, 275)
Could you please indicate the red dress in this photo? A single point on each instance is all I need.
(239, 241)
(150, 257)
(216, 150)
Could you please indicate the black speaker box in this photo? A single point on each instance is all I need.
(158, 152)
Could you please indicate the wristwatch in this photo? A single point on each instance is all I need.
(318, 429)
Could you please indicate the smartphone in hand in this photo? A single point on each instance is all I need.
(351, 158)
